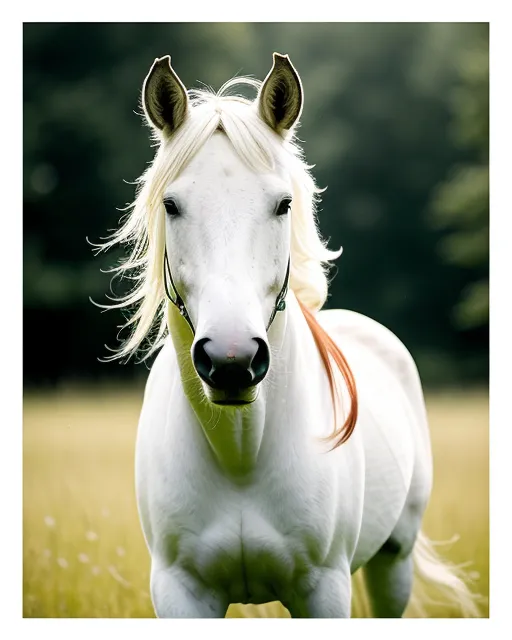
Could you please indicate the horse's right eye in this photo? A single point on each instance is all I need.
(171, 208)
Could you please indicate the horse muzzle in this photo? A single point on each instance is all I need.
(231, 370)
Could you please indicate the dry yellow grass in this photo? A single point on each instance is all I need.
(84, 554)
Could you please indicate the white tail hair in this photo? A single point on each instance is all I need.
(436, 582)
(450, 581)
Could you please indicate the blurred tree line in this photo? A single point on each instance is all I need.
(396, 121)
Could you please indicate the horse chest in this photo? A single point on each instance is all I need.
(257, 544)
(248, 556)
(268, 539)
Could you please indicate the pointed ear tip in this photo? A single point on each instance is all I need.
(162, 61)
(280, 57)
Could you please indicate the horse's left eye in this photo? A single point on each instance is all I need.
(283, 207)
(171, 208)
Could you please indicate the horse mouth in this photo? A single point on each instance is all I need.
(232, 397)
(232, 402)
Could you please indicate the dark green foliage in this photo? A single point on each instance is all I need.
(461, 203)
(390, 110)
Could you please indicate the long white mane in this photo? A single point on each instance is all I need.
(143, 227)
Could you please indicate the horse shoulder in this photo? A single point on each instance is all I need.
(357, 333)
(392, 419)
(151, 432)
(349, 326)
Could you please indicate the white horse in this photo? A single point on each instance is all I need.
(279, 448)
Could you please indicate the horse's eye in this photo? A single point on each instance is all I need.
(283, 207)
(171, 208)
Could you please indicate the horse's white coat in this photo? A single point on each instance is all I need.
(248, 504)
(260, 513)
(245, 502)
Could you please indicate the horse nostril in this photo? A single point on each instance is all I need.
(261, 361)
(202, 361)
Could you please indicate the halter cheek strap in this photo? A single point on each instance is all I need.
(177, 300)
(280, 304)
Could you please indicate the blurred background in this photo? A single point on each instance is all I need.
(396, 120)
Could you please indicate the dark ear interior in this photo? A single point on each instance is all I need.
(281, 98)
(164, 96)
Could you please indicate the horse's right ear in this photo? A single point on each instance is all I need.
(164, 97)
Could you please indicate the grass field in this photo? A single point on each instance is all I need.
(84, 554)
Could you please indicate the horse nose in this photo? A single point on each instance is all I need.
(231, 369)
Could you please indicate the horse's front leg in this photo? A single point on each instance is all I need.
(177, 594)
(331, 597)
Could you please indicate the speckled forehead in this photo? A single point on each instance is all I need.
(217, 167)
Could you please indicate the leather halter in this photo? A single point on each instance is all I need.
(177, 301)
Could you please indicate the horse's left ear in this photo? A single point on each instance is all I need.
(164, 97)
(280, 97)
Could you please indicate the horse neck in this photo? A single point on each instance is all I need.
(236, 435)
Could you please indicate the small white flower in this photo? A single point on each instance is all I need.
(49, 521)
(105, 512)
(120, 552)
(47, 553)
(95, 571)
(62, 562)
(83, 558)
(91, 536)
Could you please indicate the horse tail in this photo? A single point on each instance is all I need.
(434, 575)
(437, 583)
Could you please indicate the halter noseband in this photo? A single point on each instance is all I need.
(177, 301)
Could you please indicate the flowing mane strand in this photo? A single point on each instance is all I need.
(328, 350)
(143, 226)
